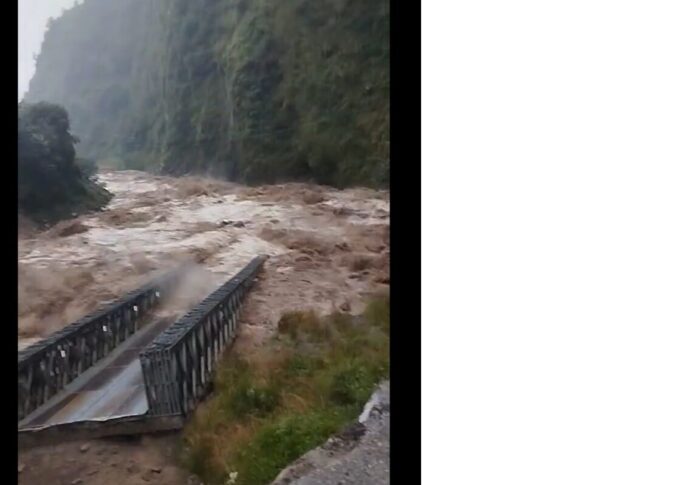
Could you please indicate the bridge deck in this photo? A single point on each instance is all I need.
(113, 388)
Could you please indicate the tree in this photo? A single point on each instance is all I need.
(51, 185)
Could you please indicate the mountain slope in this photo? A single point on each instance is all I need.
(253, 90)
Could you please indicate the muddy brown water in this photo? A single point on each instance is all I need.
(318, 238)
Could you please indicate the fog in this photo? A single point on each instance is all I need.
(32, 17)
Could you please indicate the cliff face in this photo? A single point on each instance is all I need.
(92, 63)
(254, 90)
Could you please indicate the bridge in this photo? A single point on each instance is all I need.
(124, 369)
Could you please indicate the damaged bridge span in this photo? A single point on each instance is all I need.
(124, 370)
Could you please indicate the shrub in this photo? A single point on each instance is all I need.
(352, 384)
(302, 324)
(254, 400)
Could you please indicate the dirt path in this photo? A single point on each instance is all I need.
(328, 250)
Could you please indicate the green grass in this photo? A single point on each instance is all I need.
(289, 396)
(283, 440)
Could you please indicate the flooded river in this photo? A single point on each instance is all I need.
(328, 248)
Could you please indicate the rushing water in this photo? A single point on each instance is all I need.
(153, 222)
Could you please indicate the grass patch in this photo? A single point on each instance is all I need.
(282, 441)
(352, 382)
(289, 396)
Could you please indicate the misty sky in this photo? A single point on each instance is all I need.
(33, 15)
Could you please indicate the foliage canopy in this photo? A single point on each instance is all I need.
(51, 185)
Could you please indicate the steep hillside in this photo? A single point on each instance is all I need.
(94, 61)
(253, 90)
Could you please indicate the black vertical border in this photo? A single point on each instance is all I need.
(10, 254)
(405, 197)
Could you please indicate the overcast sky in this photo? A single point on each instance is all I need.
(33, 15)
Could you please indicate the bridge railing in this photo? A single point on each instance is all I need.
(46, 367)
(178, 365)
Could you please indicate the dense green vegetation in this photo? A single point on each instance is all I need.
(51, 185)
(253, 90)
(288, 397)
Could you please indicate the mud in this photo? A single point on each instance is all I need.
(104, 462)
